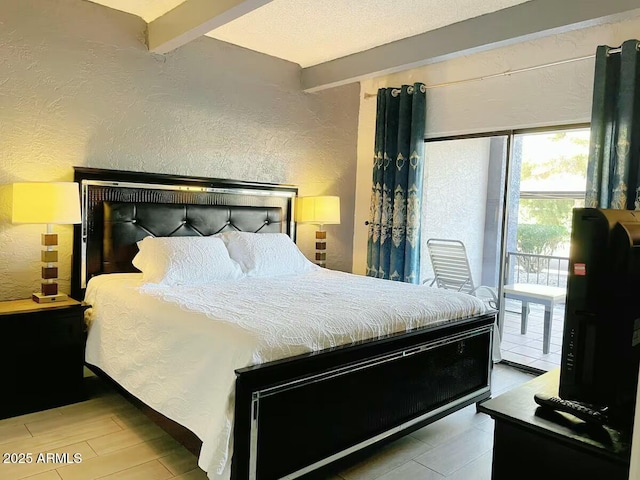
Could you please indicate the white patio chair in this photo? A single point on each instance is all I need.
(451, 270)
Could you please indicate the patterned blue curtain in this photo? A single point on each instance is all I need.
(393, 250)
(614, 156)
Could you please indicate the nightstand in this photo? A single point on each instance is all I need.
(531, 443)
(41, 355)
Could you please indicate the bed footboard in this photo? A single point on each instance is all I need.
(297, 415)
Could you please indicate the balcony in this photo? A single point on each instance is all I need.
(527, 349)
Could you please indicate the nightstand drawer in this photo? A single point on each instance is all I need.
(49, 327)
(42, 355)
(65, 330)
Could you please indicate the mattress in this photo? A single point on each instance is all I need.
(176, 348)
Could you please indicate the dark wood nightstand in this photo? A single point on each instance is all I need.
(531, 443)
(41, 355)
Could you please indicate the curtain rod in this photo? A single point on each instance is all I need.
(507, 73)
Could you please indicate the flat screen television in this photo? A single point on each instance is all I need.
(601, 341)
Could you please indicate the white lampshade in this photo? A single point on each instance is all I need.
(322, 210)
(55, 203)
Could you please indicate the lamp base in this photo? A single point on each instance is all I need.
(40, 298)
(321, 247)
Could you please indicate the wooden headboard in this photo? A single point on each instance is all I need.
(140, 204)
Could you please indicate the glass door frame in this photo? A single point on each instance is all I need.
(506, 203)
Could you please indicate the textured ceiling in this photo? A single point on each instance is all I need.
(309, 32)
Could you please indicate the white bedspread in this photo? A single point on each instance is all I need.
(176, 348)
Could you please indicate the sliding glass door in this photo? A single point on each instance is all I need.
(508, 197)
(548, 179)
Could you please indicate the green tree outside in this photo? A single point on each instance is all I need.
(545, 224)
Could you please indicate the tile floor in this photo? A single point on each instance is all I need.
(117, 442)
(112, 438)
(527, 349)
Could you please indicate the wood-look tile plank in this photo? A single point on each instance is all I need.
(103, 400)
(13, 432)
(62, 437)
(30, 417)
(412, 470)
(91, 428)
(457, 452)
(487, 426)
(504, 378)
(180, 461)
(153, 470)
(120, 460)
(74, 417)
(195, 474)
(18, 471)
(386, 459)
(479, 469)
(126, 438)
(443, 430)
(128, 419)
(50, 475)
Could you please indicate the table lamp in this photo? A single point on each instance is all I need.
(320, 210)
(49, 203)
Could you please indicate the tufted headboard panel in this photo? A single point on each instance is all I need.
(119, 208)
(127, 223)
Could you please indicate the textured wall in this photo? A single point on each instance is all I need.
(548, 96)
(457, 176)
(78, 87)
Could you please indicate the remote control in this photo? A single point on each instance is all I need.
(576, 409)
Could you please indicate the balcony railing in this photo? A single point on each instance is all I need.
(538, 269)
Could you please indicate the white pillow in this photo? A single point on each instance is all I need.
(185, 260)
(266, 254)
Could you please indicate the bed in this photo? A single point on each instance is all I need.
(299, 409)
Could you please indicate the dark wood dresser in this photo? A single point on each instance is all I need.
(41, 355)
(534, 443)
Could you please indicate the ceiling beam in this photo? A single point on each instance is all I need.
(527, 21)
(192, 19)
